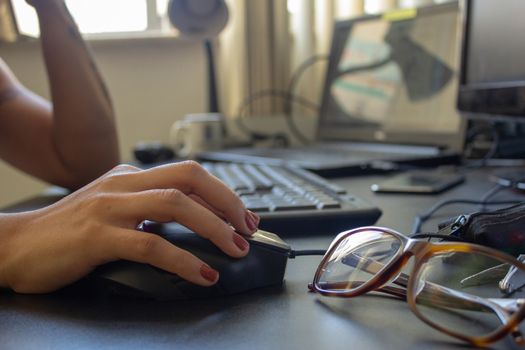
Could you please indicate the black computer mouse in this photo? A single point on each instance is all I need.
(264, 266)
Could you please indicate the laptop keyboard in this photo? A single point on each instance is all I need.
(291, 200)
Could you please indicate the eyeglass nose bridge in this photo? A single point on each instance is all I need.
(393, 273)
(416, 247)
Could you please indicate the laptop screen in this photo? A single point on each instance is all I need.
(392, 78)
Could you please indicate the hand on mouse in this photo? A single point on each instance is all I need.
(45, 249)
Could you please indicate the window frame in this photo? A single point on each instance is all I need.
(158, 26)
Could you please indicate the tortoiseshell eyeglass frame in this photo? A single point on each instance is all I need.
(422, 250)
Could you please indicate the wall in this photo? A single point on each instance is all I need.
(152, 82)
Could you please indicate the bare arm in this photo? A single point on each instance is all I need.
(73, 141)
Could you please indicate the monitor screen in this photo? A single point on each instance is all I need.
(492, 81)
(394, 79)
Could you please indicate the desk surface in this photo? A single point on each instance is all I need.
(276, 318)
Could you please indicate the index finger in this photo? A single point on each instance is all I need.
(191, 178)
(154, 250)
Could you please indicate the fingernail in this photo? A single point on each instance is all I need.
(250, 222)
(240, 242)
(208, 273)
(256, 218)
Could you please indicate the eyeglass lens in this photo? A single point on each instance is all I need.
(357, 259)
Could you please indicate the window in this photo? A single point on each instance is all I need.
(102, 17)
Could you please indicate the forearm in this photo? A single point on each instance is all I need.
(84, 131)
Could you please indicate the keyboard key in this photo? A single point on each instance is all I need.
(257, 206)
(328, 204)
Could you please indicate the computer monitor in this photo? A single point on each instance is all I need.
(492, 78)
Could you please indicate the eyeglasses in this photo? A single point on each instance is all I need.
(444, 288)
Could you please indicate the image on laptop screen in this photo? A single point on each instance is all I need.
(393, 79)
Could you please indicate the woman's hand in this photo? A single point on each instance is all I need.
(43, 250)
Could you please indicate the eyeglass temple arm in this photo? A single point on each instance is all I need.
(400, 293)
(435, 295)
(447, 299)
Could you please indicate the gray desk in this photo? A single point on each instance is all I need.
(277, 318)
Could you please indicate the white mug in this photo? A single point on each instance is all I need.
(197, 133)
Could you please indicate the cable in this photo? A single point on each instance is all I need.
(299, 72)
(264, 94)
(480, 129)
(435, 235)
(294, 253)
(288, 107)
(490, 193)
(421, 218)
(365, 67)
(290, 97)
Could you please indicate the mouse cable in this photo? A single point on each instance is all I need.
(294, 253)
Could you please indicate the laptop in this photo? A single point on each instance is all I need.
(388, 98)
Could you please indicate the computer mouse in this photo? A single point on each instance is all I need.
(264, 266)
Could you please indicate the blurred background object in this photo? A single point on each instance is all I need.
(8, 28)
(203, 19)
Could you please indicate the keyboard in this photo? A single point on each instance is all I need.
(292, 200)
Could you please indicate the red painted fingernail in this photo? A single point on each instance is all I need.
(208, 273)
(240, 242)
(250, 222)
(256, 218)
